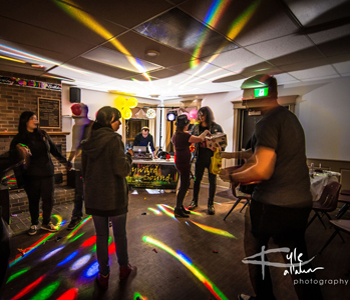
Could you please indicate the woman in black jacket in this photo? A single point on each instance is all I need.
(38, 172)
(104, 168)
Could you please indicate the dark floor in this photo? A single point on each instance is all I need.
(213, 268)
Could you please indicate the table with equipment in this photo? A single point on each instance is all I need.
(153, 174)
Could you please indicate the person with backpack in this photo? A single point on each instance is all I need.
(80, 131)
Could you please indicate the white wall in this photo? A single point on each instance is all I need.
(323, 108)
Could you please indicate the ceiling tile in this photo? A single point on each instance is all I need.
(116, 59)
(97, 67)
(180, 31)
(17, 32)
(236, 60)
(32, 54)
(314, 12)
(305, 65)
(315, 73)
(246, 22)
(59, 17)
(342, 68)
(137, 45)
(285, 78)
(286, 50)
(126, 13)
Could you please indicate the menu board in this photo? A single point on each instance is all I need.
(49, 113)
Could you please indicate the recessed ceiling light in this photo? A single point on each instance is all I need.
(152, 53)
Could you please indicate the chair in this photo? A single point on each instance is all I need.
(327, 202)
(346, 200)
(246, 197)
(339, 225)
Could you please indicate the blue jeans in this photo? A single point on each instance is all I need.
(102, 234)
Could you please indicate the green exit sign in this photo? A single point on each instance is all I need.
(261, 92)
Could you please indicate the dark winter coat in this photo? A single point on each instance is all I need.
(105, 167)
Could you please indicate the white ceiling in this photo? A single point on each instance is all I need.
(205, 46)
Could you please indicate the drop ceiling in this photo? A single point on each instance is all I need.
(204, 46)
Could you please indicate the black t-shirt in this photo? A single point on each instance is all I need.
(141, 141)
(289, 184)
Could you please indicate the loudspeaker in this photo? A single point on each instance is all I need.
(74, 95)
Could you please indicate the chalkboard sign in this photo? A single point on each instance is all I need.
(49, 113)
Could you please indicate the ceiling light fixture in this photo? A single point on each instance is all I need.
(152, 53)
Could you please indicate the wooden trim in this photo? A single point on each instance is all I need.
(13, 133)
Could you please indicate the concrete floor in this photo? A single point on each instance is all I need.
(213, 269)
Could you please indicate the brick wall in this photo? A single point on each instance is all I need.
(19, 200)
(13, 101)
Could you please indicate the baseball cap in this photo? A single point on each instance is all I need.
(145, 128)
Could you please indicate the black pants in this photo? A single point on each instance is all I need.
(184, 171)
(287, 228)
(201, 165)
(78, 198)
(36, 188)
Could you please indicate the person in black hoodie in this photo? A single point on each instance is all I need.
(38, 172)
(104, 168)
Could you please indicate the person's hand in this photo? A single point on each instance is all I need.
(130, 152)
(69, 165)
(225, 175)
(206, 132)
(213, 149)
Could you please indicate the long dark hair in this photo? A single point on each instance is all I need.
(180, 129)
(22, 125)
(104, 117)
(208, 114)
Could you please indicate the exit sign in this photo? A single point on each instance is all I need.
(261, 92)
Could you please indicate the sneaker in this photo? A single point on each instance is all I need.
(49, 227)
(245, 297)
(193, 205)
(32, 230)
(102, 280)
(73, 223)
(125, 271)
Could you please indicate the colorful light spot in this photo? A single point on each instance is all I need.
(68, 258)
(92, 270)
(28, 288)
(19, 273)
(214, 230)
(53, 252)
(89, 241)
(71, 294)
(81, 262)
(30, 249)
(166, 211)
(156, 211)
(186, 262)
(46, 293)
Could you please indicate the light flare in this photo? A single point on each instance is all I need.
(187, 263)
